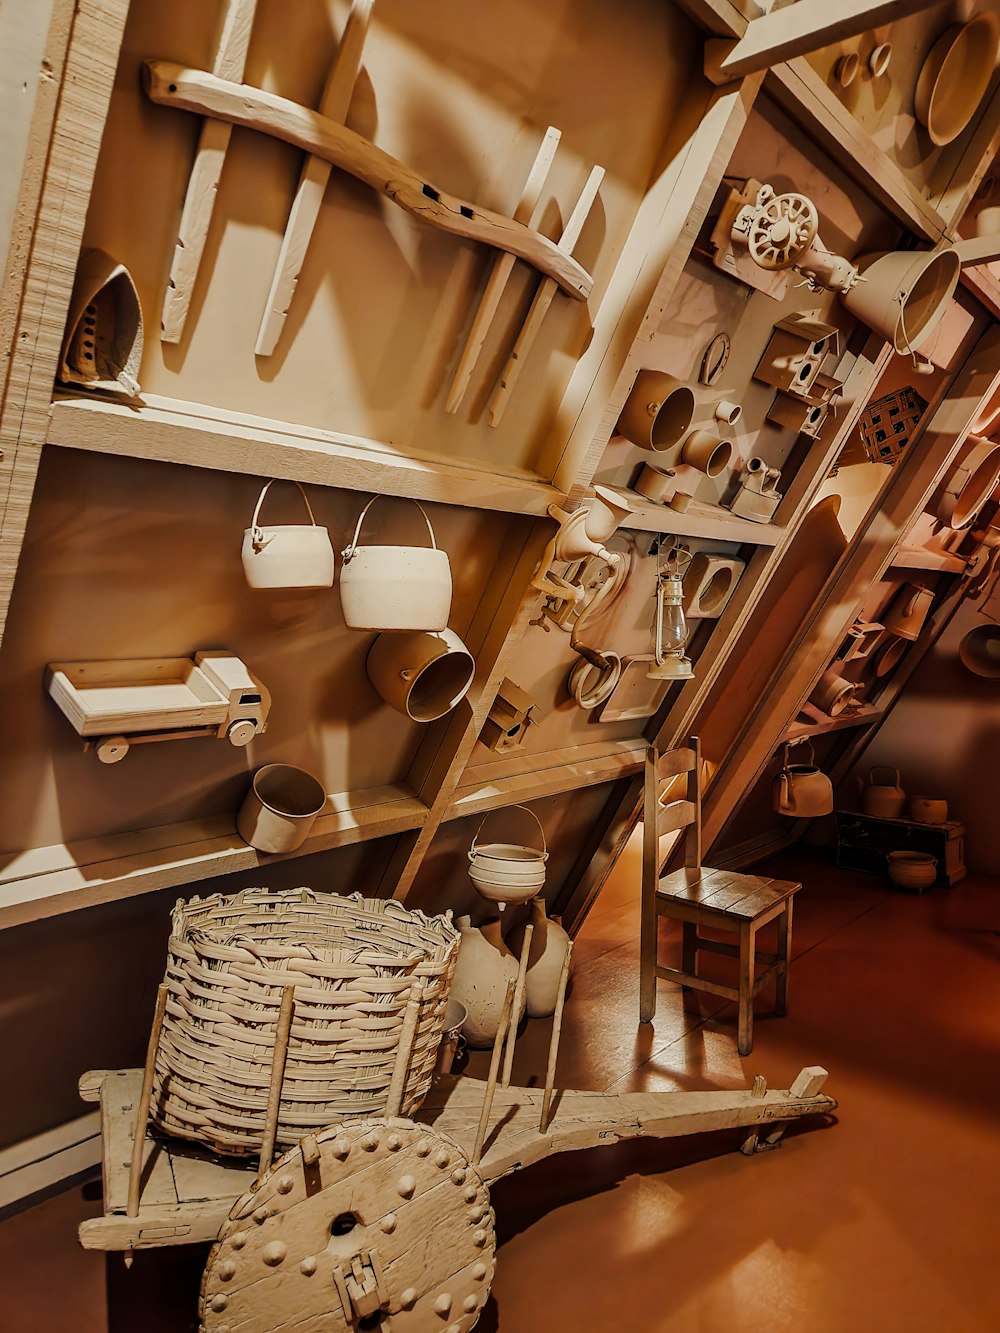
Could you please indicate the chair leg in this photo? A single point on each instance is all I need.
(689, 949)
(748, 944)
(647, 959)
(785, 954)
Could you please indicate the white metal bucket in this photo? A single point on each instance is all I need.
(395, 587)
(289, 555)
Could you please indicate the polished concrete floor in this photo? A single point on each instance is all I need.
(883, 1220)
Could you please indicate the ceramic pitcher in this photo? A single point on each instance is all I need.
(485, 966)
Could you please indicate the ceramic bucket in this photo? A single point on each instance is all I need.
(506, 872)
(421, 674)
(658, 412)
(971, 482)
(288, 555)
(395, 587)
(280, 808)
(903, 294)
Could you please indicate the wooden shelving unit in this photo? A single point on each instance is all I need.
(496, 486)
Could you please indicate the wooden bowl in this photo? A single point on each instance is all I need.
(955, 76)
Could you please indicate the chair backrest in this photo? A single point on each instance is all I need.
(677, 814)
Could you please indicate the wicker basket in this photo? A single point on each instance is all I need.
(352, 961)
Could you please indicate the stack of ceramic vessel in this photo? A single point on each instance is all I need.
(508, 872)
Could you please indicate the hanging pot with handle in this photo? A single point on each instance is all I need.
(908, 612)
(395, 587)
(508, 872)
(288, 555)
(421, 674)
(883, 796)
(803, 791)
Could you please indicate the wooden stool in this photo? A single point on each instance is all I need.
(698, 896)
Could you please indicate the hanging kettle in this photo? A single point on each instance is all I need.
(803, 791)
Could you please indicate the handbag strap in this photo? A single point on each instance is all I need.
(257, 530)
(349, 551)
(475, 840)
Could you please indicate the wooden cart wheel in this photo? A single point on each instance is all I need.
(376, 1224)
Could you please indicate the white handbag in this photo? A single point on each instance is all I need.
(290, 555)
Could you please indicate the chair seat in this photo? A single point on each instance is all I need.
(724, 893)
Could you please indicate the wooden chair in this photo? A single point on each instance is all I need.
(698, 896)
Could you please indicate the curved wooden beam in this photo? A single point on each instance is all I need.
(195, 90)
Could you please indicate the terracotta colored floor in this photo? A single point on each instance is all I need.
(883, 1221)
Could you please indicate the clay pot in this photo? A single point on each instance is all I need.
(802, 790)
(287, 555)
(883, 800)
(422, 675)
(955, 76)
(549, 943)
(395, 587)
(658, 412)
(928, 810)
(280, 808)
(904, 293)
(833, 693)
(980, 651)
(485, 966)
(704, 450)
(656, 485)
(908, 611)
(912, 870)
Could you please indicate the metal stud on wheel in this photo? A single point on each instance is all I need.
(376, 1224)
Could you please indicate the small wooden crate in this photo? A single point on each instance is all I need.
(863, 843)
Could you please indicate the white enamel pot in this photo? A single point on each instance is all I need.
(507, 872)
(288, 555)
(280, 808)
(395, 587)
(421, 674)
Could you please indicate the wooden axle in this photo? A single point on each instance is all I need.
(196, 90)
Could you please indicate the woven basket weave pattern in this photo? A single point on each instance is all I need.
(352, 961)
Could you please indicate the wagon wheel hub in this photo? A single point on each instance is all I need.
(376, 1224)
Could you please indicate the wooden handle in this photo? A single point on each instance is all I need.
(557, 1017)
(142, 1113)
(491, 1080)
(281, 1035)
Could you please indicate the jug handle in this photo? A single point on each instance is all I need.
(884, 768)
(349, 550)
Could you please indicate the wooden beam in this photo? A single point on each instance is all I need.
(196, 90)
(798, 29)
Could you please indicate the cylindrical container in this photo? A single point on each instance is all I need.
(395, 587)
(655, 485)
(455, 1015)
(890, 656)
(986, 223)
(704, 450)
(879, 60)
(846, 69)
(280, 808)
(658, 412)
(912, 870)
(969, 484)
(833, 693)
(727, 413)
(422, 675)
(928, 810)
(980, 651)
(904, 293)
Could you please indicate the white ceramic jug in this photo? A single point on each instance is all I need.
(288, 555)
(484, 968)
(546, 954)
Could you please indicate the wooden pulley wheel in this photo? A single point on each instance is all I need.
(375, 1224)
(782, 230)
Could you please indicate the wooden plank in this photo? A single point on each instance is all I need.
(194, 436)
(206, 172)
(47, 881)
(798, 29)
(680, 978)
(481, 793)
(334, 104)
(698, 520)
(675, 815)
(120, 1095)
(55, 242)
(169, 84)
(503, 267)
(799, 89)
(543, 299)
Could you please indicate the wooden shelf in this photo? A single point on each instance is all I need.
(860, 717)
(917, 557)
(489, 786)
(698, 520)
(168, 431)
(46, 881)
